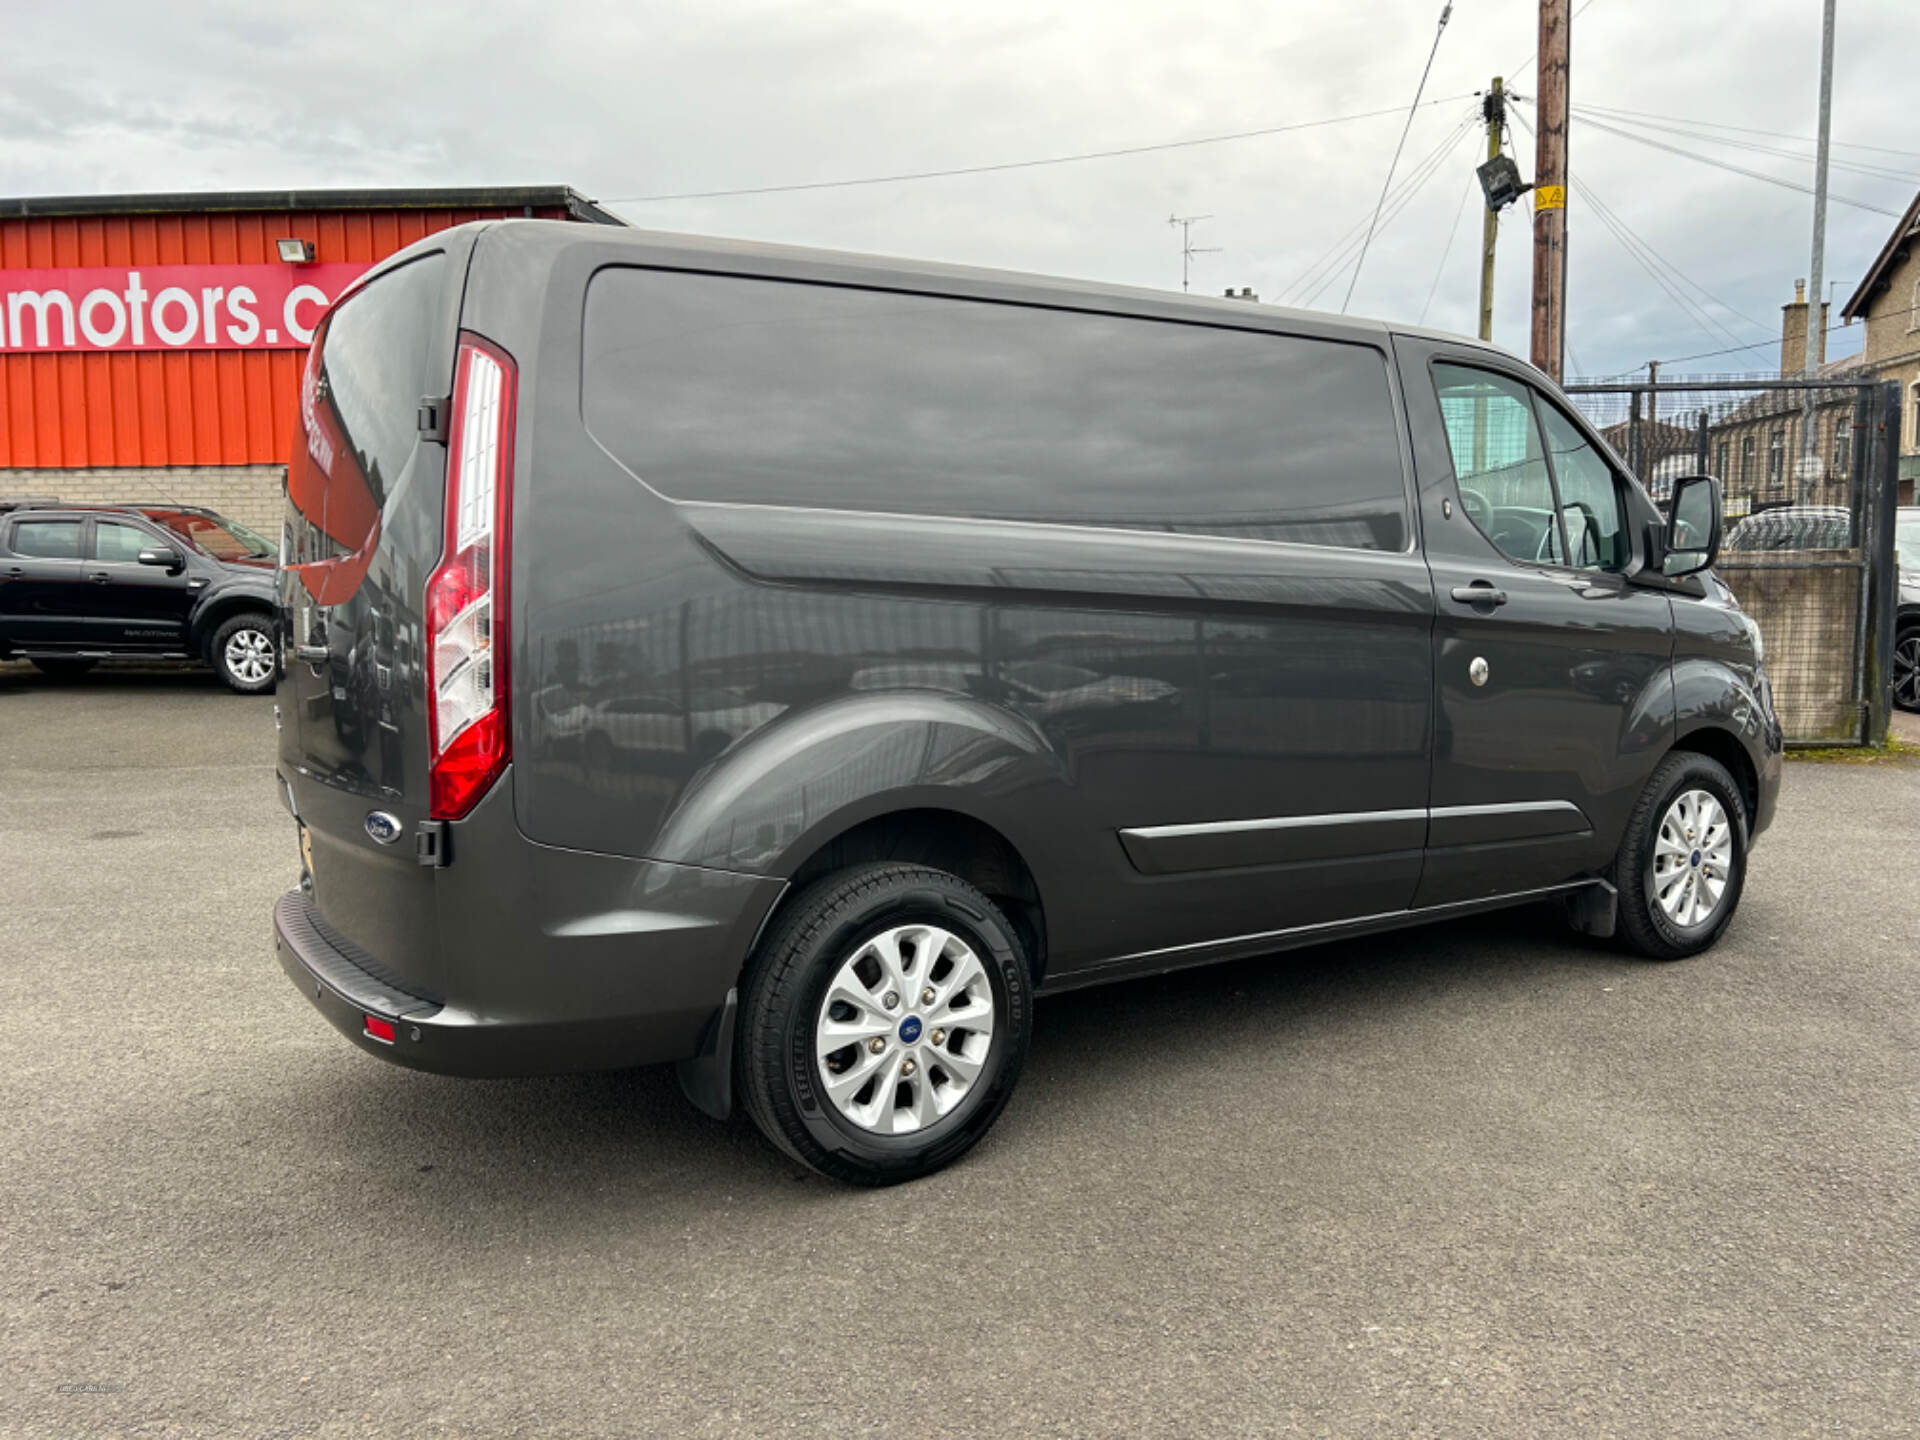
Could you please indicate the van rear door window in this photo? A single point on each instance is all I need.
(359, 408)
(721, 388)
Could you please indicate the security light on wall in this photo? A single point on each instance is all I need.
(295, 252)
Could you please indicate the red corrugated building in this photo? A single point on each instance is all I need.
(151, 345)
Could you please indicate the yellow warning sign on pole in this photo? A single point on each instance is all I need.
(1550, 197)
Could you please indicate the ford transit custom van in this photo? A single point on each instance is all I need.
(790, 664)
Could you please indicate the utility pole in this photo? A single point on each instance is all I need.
(1187, 248)
(1494, 107)
(1550, 191)
(1817, 312)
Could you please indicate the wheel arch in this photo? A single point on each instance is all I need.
(1728, 749)
(946, 839)
(218, 608)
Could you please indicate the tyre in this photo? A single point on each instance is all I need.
(1906, 668)
(242, 653)
(883, 1021)
(55, 668)
(1683, 860)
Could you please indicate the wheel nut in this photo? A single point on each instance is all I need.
(877, 1044)
(939, 1037)
(927, 996)
(906, 1067)
(891, 999)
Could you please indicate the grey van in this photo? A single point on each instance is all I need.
(790, 664)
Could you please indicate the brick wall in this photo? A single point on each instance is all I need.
(251, 494)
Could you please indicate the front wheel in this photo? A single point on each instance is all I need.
(1683, 860)
(883, 1022)
(242, 654)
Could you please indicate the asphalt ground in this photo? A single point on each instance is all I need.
(1485, 1179)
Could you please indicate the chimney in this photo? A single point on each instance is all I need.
(1793, 333)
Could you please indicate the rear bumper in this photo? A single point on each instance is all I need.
(450, 1039)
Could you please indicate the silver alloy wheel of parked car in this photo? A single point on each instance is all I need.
(249, 655)
(1692, 858)
(904, 1029)
(1906, 671)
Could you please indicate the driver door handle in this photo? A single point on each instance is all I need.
(312, 653)
(1480, 592)
(101, 577)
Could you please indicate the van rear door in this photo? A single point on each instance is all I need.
(364, 527)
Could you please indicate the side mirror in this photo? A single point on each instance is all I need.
(1692, 539)
(167, 559)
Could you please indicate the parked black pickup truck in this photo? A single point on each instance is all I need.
(85, 583)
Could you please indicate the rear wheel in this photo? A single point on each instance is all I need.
(242, 653)
(883, 1023)
(1906, 669)
(1683, 861)
(55, 668)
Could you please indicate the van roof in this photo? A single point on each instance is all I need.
(761, 258)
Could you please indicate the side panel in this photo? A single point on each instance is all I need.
(729, 685)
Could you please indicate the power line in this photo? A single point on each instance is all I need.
(1396, 207)
(1653, 262)
(1736, 169)
(1315, 276)
(1447, 249)
(1738, 349)
(1331, 266)
(1024, 164)
(1620, 113)
(1446, 13)
(1712, 328)
(1878, 172)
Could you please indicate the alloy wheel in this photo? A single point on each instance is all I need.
(1692, 858)
(904, 1029)
(249, 656)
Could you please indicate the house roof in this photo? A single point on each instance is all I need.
(1891, 254)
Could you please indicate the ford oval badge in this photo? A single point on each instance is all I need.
(384, 828)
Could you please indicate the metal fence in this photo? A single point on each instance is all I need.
(1808, 469)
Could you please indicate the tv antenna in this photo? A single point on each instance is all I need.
(1187, 248)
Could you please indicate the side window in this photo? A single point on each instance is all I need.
(710, 387)
(1499, 461)
(120, 544)
(1589, 497)
(47, 539)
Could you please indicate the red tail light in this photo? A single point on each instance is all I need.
(467, 593)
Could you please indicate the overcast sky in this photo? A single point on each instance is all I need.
(662, 97)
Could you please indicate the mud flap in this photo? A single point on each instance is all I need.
(1593, 909)
(707, 1078)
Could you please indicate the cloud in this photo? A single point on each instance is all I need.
(674, 95)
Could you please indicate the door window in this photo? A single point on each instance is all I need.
(1499, 461)
(47, 539)
(115, 543)
(1589, 497)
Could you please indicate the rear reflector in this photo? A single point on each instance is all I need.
(467, 592)
(380, 1029)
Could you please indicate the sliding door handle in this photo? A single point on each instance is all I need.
(1480, 592)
